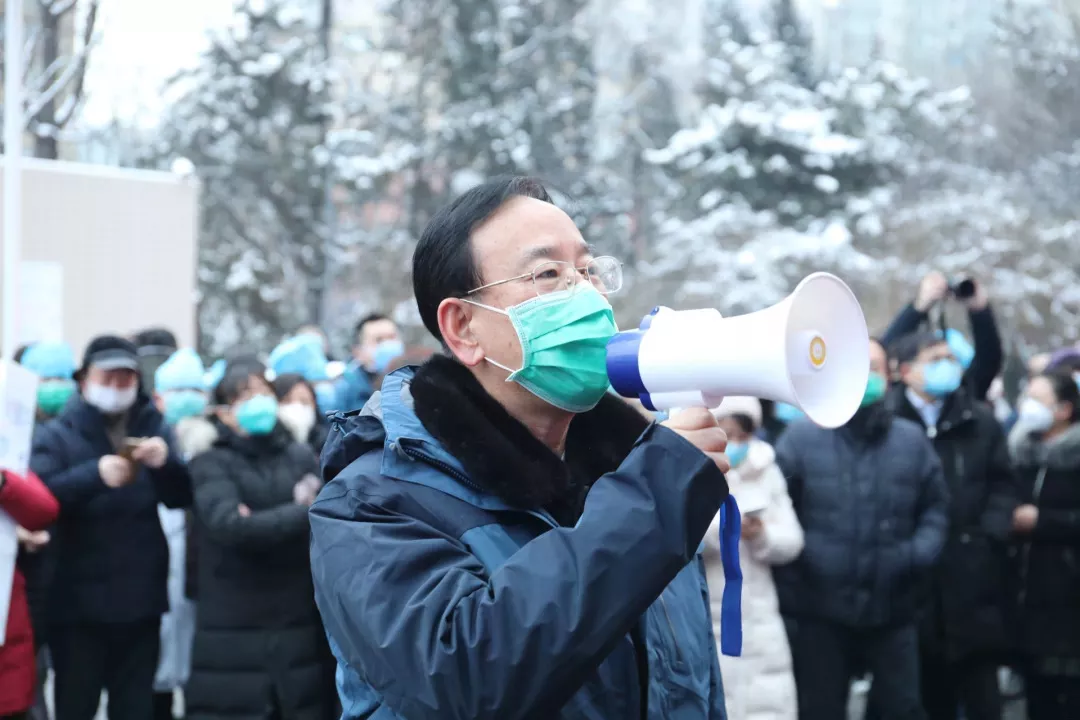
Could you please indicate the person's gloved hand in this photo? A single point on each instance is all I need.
(152, 453)
(699, 427)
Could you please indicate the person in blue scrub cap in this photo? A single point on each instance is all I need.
(303, 355)
(213, 375)
(180, 388)
(54, 364)
(180, 395)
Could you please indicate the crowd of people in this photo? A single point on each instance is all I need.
(492, 533)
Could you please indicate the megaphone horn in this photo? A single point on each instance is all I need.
(810, 350)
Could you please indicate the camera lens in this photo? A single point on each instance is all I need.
(964, 289)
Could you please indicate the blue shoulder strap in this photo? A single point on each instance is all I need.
(731, 602)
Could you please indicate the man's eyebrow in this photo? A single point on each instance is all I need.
(546, 252)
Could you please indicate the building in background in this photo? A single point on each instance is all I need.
(945, 41)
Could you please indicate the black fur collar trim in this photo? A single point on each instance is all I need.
(501, 455)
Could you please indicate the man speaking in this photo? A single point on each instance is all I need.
(499, 537)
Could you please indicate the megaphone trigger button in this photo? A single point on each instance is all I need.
(818, 352)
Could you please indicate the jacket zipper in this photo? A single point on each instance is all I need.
(1025, 551)
(671, 627)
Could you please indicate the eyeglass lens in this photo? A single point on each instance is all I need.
(604, 273)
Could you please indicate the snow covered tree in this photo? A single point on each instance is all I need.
(788, 28)
(774, 174)
(252, 119)
(499, 86)
(60, 37)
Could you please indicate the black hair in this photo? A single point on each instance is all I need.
(20, 352)
(157, 337)
(744, 421)
(369, 318)
(284, 384)
(907, 348)
(1066, 390)
(443, 263)
(236, 380)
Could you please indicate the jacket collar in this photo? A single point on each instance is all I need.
(1059, 453)
(439, 414)
(957, 410)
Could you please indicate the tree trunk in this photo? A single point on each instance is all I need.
(45, 143)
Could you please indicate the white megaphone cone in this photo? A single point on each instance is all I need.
(810, 350)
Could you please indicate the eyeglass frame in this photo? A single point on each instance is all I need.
(532, 274)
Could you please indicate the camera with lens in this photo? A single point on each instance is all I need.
(963, 289)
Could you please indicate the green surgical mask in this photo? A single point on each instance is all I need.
(563, 338)
(875, 389)
(53, 395)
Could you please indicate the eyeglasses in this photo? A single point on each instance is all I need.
(603, 273)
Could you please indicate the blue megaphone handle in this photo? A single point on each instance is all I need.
(731, 601)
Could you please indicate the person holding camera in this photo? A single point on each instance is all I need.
(108, 461)
(983, 362)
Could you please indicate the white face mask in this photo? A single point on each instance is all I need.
(1035, 416)
(298, 417)
(110, 400)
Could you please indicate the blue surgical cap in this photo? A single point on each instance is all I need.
(214, 374)
(50, 360)
(302, 355)
(961, 348)
(182, 371)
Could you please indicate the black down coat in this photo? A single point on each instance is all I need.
(1048, 561)
(967, 610)
(259, 642)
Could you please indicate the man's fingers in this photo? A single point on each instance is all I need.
(708, 440)
(721, 461)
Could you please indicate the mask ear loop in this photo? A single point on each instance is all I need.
(510, 373)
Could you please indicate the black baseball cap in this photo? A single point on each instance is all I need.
(110, 352)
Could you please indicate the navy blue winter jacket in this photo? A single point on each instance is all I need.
(112, 561)
(442, 599)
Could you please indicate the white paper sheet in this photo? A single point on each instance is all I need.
(18, 399)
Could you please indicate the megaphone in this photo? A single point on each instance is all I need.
(810, 350)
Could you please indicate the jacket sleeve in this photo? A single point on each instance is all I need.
(419, 617)
(782, 538)
(931, 527)
(988, 352)
(72, 485)
(29, 503)
(217, 508)
(717, 701)
(790, 463)
(172, 481)
(1056, 524)
(905, 323)
(1002, 490)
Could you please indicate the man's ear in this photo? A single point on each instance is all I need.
(455, 325)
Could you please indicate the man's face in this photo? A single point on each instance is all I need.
(914, 372)
(373, 333)
(523, 234)
(879, 363)
(118, 379)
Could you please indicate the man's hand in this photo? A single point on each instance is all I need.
(243, 510)
(32, 541)
(980, 299)
(933, 288)
(305, 491)
(115, 471)
(1025, 518)
(698, 426)
(152, 453)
